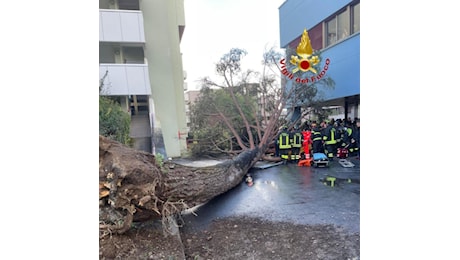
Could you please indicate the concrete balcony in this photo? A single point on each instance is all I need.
(125, 79)
(121, 26)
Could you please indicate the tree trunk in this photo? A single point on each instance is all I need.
(135, 186)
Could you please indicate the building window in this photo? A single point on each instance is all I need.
(331, 31)
(343, 25)
(316, 36)
(128, 5)
(355, 18)
(338, 27)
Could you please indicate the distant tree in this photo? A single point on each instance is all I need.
(212, 133)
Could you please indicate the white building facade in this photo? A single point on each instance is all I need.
(139, 55)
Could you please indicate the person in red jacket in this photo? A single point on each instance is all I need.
(306, 143)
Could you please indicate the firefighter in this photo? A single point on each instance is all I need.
(355, 142)
(317, 139)
(347, 135)
(338, 134)
(284, 144)
(341, 132)
(330, 142)
(296, 143)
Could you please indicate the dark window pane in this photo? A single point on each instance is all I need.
(316, 37)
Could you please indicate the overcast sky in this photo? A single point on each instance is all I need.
(213, 27)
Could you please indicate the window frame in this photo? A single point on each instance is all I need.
(335, 16)
(327, 22)
(352, 17)
(347, 20)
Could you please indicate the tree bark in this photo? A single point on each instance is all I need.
(135, 186)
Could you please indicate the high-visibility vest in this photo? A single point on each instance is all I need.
(316, 135)
(349, 131)
(332, 137)
(297, 140)
(283, 141)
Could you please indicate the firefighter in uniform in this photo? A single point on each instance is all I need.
(317, 139)
(284, 144)
(341, 132)
(330, 142)
(355, 142)
(338, 134)
(296, 143)
(347, 135)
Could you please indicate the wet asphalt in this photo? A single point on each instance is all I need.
(291, 193)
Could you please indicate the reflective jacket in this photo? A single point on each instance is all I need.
(316, 134)
(329, 137)
(347, 135)
(297, 139)
(283, 141)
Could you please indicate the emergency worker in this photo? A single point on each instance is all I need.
(330, 142)
(317, 139)
(284, 144)
(323, 124)
(340, 133)
(296, 143)
(347, 135)
(355, 142)
(306, 143)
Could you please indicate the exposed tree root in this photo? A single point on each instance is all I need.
(120, 226)
(134, 187)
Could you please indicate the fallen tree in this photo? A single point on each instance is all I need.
(136, 186)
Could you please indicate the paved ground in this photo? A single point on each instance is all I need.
(289, 213)
(290, 193)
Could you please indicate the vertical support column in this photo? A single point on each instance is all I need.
(346, 108)
(162, 51)
(296, 114)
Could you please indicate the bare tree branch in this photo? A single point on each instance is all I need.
(232, 129)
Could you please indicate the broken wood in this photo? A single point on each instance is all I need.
(135, 186)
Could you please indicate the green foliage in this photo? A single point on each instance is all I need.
(114, 123)
(211, 140)
(159, 159)
(208, 127)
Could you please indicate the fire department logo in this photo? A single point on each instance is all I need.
(304, 61)
(305, 58)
